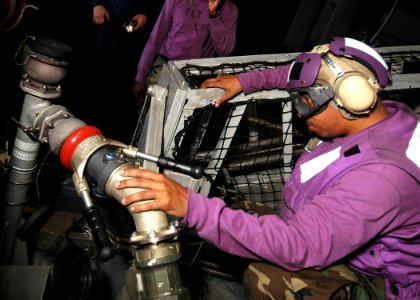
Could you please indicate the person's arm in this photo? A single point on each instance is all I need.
(168, 194)
(100, 14)
(141, 20)
(330, 227)
(146, 13)
(155, 41)
(268, 79)
(93, 3)
(248, 82)
(223, 23)
(151, 50)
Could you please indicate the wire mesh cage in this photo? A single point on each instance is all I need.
(252, 163)
(248, 145)
(404, 64)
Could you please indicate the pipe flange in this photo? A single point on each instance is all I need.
(157, 254)
(151, 237)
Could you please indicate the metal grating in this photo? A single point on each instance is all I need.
(402, 62)
(251, 164)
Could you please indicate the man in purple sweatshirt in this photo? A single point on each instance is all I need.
(186, 29)
(350, 223)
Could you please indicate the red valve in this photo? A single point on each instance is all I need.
(73, 140)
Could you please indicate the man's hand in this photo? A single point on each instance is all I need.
(100, 14)
(166, 194)
(141, 21)
(214, 6)
(139, 91)
(229, 83)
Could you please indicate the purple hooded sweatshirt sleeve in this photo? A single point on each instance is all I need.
(184, 30)
(310, 240)
(268, 79)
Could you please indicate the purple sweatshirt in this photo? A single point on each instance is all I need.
(355, 197)
(185, 31)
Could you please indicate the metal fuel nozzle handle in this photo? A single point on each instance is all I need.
(194, 171)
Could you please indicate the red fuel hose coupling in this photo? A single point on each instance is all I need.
(73, 141)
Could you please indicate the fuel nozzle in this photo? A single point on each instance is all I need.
(129, 27)
(194, 171)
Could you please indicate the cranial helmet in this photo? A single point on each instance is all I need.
(353, 72)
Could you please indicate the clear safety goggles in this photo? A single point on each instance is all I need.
(311, 101)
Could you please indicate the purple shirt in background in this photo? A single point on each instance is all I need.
(185, 31)
(356, 197)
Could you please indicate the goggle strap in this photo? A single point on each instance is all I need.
(333, 67)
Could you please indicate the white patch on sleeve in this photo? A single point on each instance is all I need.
(413, 150)
(316, 165)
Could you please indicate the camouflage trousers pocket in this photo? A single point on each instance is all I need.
(155, 70)
(265, 281)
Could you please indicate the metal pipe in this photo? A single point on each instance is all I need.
(23, 166)
(83, 149)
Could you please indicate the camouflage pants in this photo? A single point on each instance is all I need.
(154, 72)
(264, 281)
(338, 282)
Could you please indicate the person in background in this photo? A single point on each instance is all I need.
(186, 29)
(123, 27)
(349, 226)
(117, 18)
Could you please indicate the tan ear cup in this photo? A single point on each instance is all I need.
(355, 87)
(355, 93)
